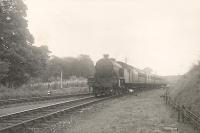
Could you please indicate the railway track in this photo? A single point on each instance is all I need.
(17, 121)
(34, 99)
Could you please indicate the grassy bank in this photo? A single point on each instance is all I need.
(41, 89)
(187, 89)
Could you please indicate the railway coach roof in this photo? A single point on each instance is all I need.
(156, 76)
(127, 66)
(116, 64)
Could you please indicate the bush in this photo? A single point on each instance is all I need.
(42, 88)
(187, 89)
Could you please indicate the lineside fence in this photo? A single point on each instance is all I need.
(56, 84)
(184, 113)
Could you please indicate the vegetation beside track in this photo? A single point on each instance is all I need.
(187, 90)
(41, 89)
(185, 114)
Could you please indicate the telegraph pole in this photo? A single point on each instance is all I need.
(61, 76)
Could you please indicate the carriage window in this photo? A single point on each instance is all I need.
(121, 72)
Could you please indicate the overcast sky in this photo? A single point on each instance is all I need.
(161, 34)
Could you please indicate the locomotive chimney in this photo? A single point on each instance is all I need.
(106, 56)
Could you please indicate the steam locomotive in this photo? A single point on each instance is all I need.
(115, 78)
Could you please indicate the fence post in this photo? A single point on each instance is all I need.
(179, 113)
(183, 113)
(169, 101)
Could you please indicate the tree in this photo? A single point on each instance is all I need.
(148, 70)
(3, 69)
(53, 69)
(37, 60)
(16, 48)
(86, 66)
(81, 66)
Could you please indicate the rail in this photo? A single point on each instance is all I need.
(41, 98)
(17, 121)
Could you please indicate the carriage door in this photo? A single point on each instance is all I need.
(121, 76)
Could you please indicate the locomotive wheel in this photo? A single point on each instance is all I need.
(117, 92)
(121, 91)
(96, 92)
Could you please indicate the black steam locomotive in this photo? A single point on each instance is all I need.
(115, 78)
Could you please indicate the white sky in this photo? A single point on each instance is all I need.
(161, 34)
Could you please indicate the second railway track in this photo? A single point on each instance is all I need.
(35, 99)
(15, 121)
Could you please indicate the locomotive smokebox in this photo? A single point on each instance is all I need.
(106, 56)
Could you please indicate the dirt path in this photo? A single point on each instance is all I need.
(145, 113)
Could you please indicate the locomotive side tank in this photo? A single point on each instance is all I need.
(108, 76)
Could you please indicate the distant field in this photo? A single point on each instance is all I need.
(41, 89)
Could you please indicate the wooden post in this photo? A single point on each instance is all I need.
(183, 113)
(61, 76)
(166, 95)
(179, 113)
